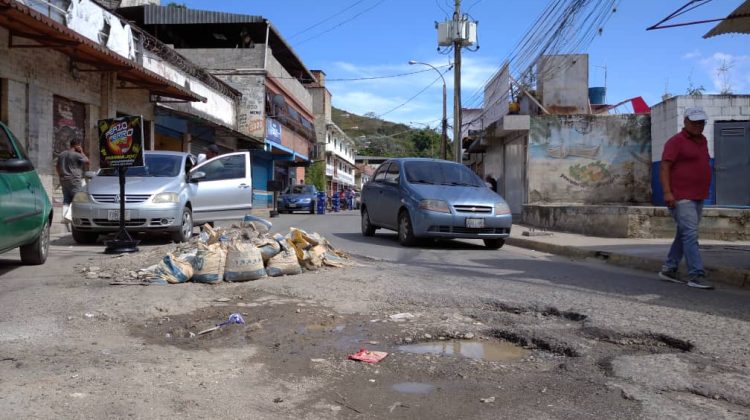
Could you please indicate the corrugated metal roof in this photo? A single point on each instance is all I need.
(166, 15)
(737, 22)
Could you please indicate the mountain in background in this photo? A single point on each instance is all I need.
(376, 137)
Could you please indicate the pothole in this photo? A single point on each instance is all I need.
(500, 351)
(653, 342)
(546, 311)
(540, 343)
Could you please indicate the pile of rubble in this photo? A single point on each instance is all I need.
(243, 253)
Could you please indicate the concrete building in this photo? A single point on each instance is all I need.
(66, 65)
(728, 135)
(248, 53)
(337, 149)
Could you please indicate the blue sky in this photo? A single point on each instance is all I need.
(371, 38)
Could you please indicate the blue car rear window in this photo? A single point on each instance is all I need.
(440, 173)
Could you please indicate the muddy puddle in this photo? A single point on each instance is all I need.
(492, 351)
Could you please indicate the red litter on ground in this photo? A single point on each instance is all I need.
(363, 355)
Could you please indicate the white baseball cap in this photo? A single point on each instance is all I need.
(696, 114)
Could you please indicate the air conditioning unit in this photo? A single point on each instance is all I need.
(450, 31)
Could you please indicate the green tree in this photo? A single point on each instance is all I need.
(315, 174)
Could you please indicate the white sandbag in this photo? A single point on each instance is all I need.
(268, 248)
(244, 262)
(283, 263)
(211, 260)
(176, 269)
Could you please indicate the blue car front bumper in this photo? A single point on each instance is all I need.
(454, 225)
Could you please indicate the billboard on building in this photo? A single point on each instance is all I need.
(273, 130)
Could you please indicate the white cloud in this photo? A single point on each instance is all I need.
(383, 95)
(727, 71)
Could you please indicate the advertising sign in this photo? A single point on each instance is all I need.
(121, 142)
(273, 130)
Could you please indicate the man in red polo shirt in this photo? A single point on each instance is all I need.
(685, 176)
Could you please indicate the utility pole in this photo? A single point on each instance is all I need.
(457, 45)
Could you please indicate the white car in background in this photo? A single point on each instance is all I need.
(170, 193)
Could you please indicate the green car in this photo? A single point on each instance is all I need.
(25, 208)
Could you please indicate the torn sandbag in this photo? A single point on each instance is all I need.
(211, 260)
(244, 262)
(268, 247)
(283, 263)
(176, 269)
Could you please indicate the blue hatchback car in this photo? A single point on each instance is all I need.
(428, 198)
(298, 198)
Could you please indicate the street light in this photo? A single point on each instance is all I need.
(444, 139)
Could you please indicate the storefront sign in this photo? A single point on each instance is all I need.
(273, 130)
(121, 142)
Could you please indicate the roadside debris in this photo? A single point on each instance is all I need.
(233, 319)
(363, 355)
(487, 400)
(401, 316)
(237, 254)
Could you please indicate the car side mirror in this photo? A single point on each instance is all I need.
(197, 176)
(16, 165)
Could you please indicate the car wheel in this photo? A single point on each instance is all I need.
(186, 227)
(83, 237)
(494, 243)
(35, 253)
(312, 207)
(405, 231)
(367, 228)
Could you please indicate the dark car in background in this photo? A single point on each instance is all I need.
(298, 198)
(25, 208)
(429, 198)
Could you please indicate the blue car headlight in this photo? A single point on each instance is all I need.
(439, 206)
(305, 201)
(501, 208)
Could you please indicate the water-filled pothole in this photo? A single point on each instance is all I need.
(492, 351)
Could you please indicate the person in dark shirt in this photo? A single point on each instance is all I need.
(70, 166)
(685, 175)
(491, 182)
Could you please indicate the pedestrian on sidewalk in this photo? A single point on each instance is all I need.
(685, 176)
(70, 166)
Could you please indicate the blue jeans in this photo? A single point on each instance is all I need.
(687, 215)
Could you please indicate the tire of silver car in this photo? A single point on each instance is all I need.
(405, 231)
(36, 252)
(186, 227)
(83, 237)
(367, 228)
(494, 243)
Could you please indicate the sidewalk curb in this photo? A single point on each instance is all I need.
(729, 276)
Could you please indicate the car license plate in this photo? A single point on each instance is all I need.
(115, 215)
(474, 223)
(292, 205)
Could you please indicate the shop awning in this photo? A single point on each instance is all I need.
(737, 22)
(24, 22)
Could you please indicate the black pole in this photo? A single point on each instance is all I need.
(123, 242)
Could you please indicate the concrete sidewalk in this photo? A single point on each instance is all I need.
(725, 262)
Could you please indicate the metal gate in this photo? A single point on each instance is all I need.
(732, 162)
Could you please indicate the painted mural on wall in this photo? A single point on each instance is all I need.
(590, 159)
(250, 118)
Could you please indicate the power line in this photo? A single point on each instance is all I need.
(320, 22)
(355, 79)
(342, 23)
(410, 99)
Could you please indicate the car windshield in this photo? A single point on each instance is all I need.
(440, 173)
(155, 165)
(301, 189)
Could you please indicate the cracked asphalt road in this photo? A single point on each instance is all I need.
(599, 341)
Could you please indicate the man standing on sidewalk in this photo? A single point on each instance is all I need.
(685, 176)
